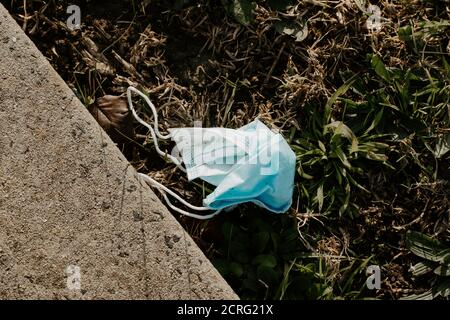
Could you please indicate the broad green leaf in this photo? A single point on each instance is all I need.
(380, 68)
(322, 146)
(338, 173)
(392, 106)
(435, 26)
(341, 155)
(251, 284)
(227, 231)
(340, 129)
(356, 271)
(375, 121)
(306, 176)
(376, 156)
(267, 260)
(426, 247)
(443, 288)
(422, 268)
(344, 206)
(442, 146)
(236, 269)
(405, 33)
(320, 196)
(447, 67)
(260, 240)
(267, 275)
(239, 248)
(355, 183)
(339, 92)
(223, 266)
(442, 270)
(428, 295)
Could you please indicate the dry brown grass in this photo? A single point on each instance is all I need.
(199, 63)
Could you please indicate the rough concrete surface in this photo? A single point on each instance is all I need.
(68, 197)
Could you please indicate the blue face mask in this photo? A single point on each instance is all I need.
(249, 164)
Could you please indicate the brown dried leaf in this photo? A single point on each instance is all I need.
(113, 115)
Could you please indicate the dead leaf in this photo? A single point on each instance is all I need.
(113, 115)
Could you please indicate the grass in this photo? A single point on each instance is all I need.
(366, 112)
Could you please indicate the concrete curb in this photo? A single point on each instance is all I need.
(70, 201)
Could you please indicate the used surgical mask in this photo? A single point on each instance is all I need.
(249, 164)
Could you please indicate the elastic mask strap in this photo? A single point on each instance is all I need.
(163, 189)
(153, 131)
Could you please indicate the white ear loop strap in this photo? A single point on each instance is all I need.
(153, 131)
(152, 182)
(163, 189)
(152, 107)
